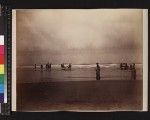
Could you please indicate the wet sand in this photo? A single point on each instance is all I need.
(80, 95)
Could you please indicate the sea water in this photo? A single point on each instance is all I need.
(84, 72)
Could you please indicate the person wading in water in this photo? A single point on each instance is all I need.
(49, 66)
(97, 72)
(41, 67)
(133, 72)
(35, 67)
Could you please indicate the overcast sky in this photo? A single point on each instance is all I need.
(79, 36)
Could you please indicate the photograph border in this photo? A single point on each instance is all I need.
(145, 64)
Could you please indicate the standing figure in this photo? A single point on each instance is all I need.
(62, 66)
(130, 66)
(133, 65)
(35, 67)
(133, 74)
(97, 72)
(69, 66)
(97, 66)
(121, 66)
(49, 66)
(41, 67)
(126, 66)
(46, 67)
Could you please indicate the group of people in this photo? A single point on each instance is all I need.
(47, 67)
(66, 67)
(125, 66)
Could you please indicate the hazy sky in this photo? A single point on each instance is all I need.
(79, 36)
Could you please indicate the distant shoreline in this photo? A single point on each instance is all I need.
(19, 66)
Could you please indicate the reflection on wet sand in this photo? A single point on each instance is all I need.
(78, 89)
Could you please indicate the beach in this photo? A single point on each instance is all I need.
(79, 60)
(78, 90)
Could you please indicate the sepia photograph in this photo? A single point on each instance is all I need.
(79, 60)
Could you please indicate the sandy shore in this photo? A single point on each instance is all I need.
(80, 95)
